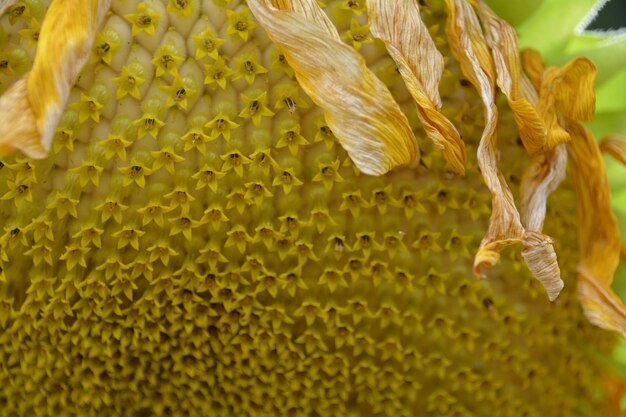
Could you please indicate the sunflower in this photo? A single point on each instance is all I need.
(298, 208)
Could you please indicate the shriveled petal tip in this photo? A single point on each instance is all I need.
(615, 146)
(30, 109)
(358, 108)
(598, 233)
(398, 24)
(469, 47)
(541, 260)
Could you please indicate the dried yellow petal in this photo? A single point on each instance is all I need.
(358, 108)
(469, 47)
(399, 25)
(30, 109)
(522, 98)
(615, 146)
(598, 233)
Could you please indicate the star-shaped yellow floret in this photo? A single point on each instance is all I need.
(180, 7)
(255, 108)
(358, 34)
(248, 67)
(328, 174)
(217, 72)
(144, 19)
(179, 92)
(166, 60)
(239, 24)
(221, 125)
(291, 137)
(129, 81)
(31, 33)
(107, 42)
(207, 44)
(88, 107)
(149, 123)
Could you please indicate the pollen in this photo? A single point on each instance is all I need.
(198, 241)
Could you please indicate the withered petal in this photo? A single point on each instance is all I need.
(469, 47)
(398, 24)
(502, 40)
(30, 109)
(598, 233)
(358, 107)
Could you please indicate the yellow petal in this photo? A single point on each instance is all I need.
(598, 234)
(399, 25)
(469, 47)
(358, 108)
(32, 106)
(502, 40)
(567, 91)
(615, 146)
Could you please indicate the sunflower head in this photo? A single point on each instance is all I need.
(284, 208)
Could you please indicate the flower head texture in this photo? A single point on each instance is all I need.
(298, 208)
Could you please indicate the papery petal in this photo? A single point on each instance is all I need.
(543, 175)
(399, 25)
(502, 40)
(469, 47)
(615, 146)
(540, 258)
(30, 109)
(598, 233)
(358, 108)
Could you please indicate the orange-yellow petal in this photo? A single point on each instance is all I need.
(30, 109)
(358, 108)
(399, 25)
(598, 233)
(567, 91)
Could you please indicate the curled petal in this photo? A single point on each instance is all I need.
(543, 175)
(541, 259)
(502, 40)
(30, 109)
(614, 146)
(598, 233)
(469, 48)
(399, 25)
(358, 108)
(568, 91)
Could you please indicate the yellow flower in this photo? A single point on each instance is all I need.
(246, 213)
